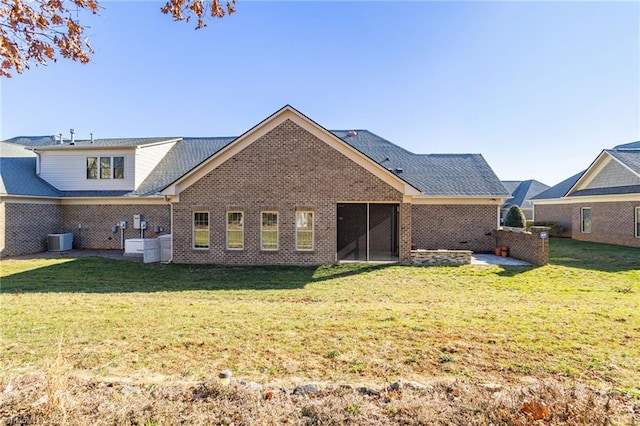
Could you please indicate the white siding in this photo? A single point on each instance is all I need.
(147, 158)
(67, 170)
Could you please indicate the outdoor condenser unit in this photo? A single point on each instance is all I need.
(60, 242)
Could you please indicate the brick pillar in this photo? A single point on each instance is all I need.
(542, 244)
(405, 233)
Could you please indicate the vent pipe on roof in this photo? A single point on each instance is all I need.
(73, 136)
(91, 137)
(61, 141)
(351, 133)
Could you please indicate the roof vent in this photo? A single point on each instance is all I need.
(61, 141)
(73, 137)
(91, 137)
(351, 133)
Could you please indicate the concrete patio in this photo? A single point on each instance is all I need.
(491, 259)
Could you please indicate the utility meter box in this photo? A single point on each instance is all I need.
(136, 221)
(143, 224)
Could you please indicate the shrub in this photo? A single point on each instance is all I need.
(557, 229)
(515, 218)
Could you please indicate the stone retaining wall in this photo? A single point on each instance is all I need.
(441, 257)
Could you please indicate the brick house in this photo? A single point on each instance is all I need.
(601, 203)
(287, 191)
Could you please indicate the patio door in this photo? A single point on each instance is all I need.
(367, 232)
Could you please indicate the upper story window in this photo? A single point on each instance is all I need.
(105, 167)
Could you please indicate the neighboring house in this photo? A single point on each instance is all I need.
(521, 193)
(287, 191)
(600, 204)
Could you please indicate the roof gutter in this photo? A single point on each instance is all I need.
(472, 199)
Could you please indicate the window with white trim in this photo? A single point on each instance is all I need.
(585, 220)
(118, 167)
(201, 232)
(105, 167)
(637, 222)
(269, 231)
(304, 230)
(235, 230)
(92, 167)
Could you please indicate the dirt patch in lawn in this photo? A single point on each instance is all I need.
(71, 399)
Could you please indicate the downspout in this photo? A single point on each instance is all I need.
(167, 198)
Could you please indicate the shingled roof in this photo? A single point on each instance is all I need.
(184, 156)
(439, 175)
(559, 190)
(18, 173)
(106, 143)
(629, 158)
(523, 191)
(627, 154)
(436, 175)
(630, 145)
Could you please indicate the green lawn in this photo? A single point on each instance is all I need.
(576, 319)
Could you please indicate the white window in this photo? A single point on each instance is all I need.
(92, 167)
(118, 167)
(269, 231)
(200, 230)
(585, 220)
(235, 230)
(105, 167)
(637, 222)
(304, 230)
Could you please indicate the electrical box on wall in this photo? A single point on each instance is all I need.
(143, 224)
(136, 221)
(123, 224)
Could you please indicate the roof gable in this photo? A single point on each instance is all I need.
(611, 169)
(270, 123)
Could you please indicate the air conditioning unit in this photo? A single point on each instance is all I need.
(60, 242)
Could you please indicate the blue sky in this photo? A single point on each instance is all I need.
(538, 88)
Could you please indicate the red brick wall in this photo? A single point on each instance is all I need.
(611, 223)
(529, 246)
(24, 227)
(561, 213)
(454, 227)
(285, 170)
(97, 220)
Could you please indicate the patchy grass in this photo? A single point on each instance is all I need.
(96, 402)
(574, 321)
